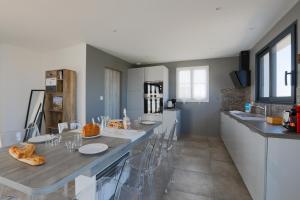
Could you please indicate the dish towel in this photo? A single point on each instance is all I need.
(122, 133)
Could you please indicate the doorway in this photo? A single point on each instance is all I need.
(112, 96)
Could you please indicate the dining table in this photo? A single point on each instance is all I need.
(63, 166)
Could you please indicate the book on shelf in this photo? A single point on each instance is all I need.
(57, 103)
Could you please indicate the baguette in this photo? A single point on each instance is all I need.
(22, 152)
(34, 160)
(26, 154)
(115, 124)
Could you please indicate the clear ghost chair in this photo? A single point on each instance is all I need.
(154, 162)
(10, 138)
(168, 154)
(15, 137)
(129, 183)
(149, 165)
(169, 146)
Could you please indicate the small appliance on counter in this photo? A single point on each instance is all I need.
(290, 119)
(171, 104)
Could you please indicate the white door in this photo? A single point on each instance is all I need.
(112, 97)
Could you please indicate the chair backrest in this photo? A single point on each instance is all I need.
(31, 131)
(62, 126)
(134, 178)
(170, 141)
(156, 155)
(15, 137)
(75, 125)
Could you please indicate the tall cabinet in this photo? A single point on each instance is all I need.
(136, 97)
(60, 98)
(135, 91)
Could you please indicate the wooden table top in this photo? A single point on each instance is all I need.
(61, 165)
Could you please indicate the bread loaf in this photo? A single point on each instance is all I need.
(116, 124)
(26, 154)
(90, 130)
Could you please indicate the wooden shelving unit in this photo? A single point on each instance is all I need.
(60, 98)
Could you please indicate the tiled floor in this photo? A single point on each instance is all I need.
(204, 171)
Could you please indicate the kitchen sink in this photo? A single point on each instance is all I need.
(247, 116)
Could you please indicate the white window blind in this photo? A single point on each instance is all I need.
(192, 84)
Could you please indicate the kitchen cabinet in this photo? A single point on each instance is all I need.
(155, 73)
(248, 151)
(159, 73)
(283, 169)
(135, 87)
(135, 92)
(169, 117)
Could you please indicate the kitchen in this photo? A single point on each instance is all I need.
(205, 96)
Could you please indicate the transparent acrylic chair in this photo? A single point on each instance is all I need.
(169, 146)
(10, 138)
(168, 155)
(129, 183)
(154, 163)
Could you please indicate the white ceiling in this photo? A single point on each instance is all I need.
(147, 31)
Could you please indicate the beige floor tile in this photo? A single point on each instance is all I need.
(194, 144)
(220, 154)
(195, 152)
(178, 195)
(229, 188)
(191, 182)
(192, 163)
(223, 168)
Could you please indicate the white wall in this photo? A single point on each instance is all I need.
(73, 58)
(20, 71)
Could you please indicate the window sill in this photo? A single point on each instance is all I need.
(191, 101)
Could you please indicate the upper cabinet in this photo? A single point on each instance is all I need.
(136, 79)
(156, 73)
(159, 73)
(135, 91)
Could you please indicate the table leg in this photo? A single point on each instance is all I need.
(66, 189)
(35, 197)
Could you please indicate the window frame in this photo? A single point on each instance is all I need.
(191, 69)
(292, 29)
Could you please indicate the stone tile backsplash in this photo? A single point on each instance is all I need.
(235, 99)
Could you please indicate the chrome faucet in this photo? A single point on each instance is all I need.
(262, 108)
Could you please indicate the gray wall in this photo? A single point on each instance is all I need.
(96, 62)
(288, 19)
(203, 119)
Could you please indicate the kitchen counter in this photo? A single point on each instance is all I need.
(62, 166)
(265, 129)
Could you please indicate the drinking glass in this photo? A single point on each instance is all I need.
(77, 141)
(70, 146)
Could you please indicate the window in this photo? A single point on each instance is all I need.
(192, 84)
(276, 69)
